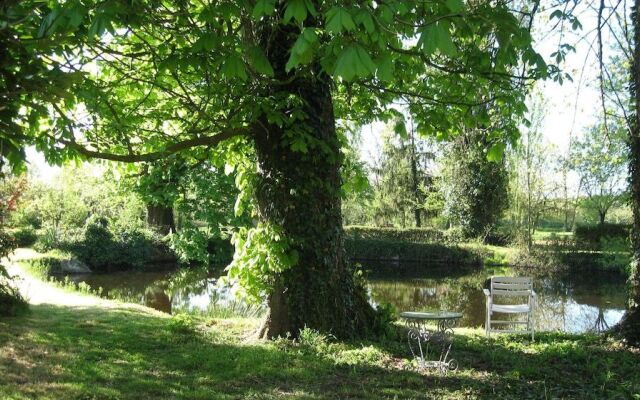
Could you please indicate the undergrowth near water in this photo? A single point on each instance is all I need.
(39, 268)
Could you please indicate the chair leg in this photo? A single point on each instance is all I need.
(533, 329)
(487, 323)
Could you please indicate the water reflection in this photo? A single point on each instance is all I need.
(171, 292)
(571, 303)
(579, 303)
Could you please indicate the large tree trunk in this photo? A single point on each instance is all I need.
(300, 192)
(160, 218)
(629, 327)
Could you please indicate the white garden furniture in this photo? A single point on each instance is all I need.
(510, 296)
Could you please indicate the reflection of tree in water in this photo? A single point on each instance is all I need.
(567, 303)
(184, 290)
(574, 303)
(156, 298)
(601, 324)
(461, 294)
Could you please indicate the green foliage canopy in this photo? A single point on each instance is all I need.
(149, 78)
(142, 80)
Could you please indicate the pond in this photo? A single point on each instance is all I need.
(574, 303)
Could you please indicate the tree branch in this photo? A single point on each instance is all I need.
(156, 155)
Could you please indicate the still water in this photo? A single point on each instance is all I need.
(572, 303)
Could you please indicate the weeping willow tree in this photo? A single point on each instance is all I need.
(259, 86)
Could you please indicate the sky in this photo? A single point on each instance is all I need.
(571, 107)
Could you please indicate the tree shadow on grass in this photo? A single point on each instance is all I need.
(564, 365)
(77, 353)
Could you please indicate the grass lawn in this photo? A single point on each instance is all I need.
(57, 352)
(81, 347)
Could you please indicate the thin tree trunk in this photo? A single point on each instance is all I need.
(300, 192)
(161, 218)
(414, 178)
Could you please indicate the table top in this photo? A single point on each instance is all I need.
(430, 315)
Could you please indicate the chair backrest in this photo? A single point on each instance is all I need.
(511, 286)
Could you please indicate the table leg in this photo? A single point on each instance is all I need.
(421, 339)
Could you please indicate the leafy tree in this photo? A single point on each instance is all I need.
(600, 159)
(475, 188)
(357, 192)
(260, 85)
(531, 189)
(401, 177)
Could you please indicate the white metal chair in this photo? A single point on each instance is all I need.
(514, 288)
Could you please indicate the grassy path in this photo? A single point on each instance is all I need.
(39, 292)
(73, 346)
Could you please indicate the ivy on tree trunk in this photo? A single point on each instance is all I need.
(629, 327)
(299, 191)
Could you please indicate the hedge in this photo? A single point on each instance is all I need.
(24, 236)
(595, 233)
(424, 253)
(411, 235)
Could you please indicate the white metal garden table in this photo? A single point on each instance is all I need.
(431, 343)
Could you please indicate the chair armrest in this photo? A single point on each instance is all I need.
(486, 292)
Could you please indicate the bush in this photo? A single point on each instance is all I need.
(25, 236)
(11, 302)
(412, 235)
(104, 250)
(424, 253)
(47, 240)
(594, 234)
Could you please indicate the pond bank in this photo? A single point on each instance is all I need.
(111, 350)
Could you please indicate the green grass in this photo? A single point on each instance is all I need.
(39, 268)
(121, 353)
(544, 235)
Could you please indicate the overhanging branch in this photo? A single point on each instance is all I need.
(156, 155)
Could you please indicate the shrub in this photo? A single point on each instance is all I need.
(47, 240)
(24, 236)
(105, 250)
(11, 302)
(454, 235)
(593, 234)
(412, 235)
